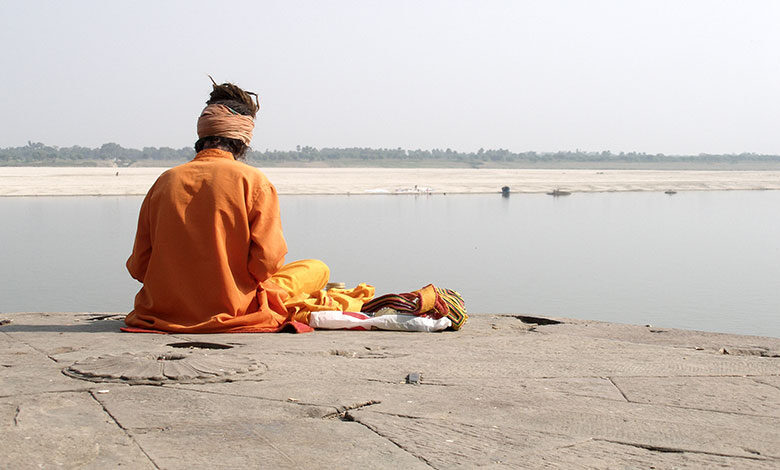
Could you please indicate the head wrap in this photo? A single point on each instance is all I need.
(217, 120)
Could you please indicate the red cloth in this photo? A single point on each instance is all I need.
(289, 327)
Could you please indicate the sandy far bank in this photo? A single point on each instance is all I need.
(36, 181)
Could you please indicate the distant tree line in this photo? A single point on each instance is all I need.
(38, 154)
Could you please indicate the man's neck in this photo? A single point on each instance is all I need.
(219, 147)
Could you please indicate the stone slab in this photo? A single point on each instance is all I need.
(25, 370)
(507, 391)
(64, 430)
(579, 417)
(230, 430)
(744, 395)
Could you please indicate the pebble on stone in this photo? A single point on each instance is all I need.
(413, 378)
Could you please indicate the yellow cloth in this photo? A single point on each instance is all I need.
(303, 281)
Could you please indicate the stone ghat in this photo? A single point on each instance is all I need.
(507, 391)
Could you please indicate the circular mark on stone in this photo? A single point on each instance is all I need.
(171, 357)
(165, 368)
(200, 345)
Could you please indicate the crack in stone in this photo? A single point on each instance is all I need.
(568, 446)
(757, 351)
(402, 382)
(14, 395)
(766, 383)
(678, 450)
(277, 400)
(253, 431)
(125, 430)
(144, 430)
(707, 410)
(383, 381)
(342, 411)
(349, 417)
(618, 389)
(39, 351)
(387, 413)
(741, 376)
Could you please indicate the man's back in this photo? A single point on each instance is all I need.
(208, 234)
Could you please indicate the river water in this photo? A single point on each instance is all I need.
(700, 260)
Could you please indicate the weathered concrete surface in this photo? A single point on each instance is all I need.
(503, 392)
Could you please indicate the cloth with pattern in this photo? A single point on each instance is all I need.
(430, 301)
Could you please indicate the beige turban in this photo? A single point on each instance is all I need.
(219, 120)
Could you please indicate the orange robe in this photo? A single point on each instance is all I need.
(209, 251)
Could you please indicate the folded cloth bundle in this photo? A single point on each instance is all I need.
(430, 301)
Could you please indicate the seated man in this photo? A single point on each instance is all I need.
(209, 248)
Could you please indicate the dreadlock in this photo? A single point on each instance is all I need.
(239, 101)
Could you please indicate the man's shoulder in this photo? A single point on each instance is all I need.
(177, 170)
(222, 173)
(250, 170)
(220, 166)
(234, 170)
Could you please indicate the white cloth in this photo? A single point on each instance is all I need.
(336, 320)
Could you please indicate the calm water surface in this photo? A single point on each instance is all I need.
(701, 260)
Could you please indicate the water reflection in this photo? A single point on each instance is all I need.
(704, 260)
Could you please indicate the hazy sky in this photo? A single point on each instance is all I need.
(653, 76)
